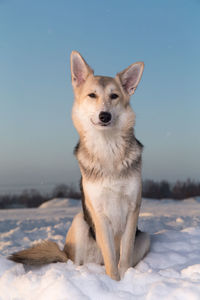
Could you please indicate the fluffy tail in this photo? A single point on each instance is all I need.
(42, 253)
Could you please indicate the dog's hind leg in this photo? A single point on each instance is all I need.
(80, 246)
(141, 246)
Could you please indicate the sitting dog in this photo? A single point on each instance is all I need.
(109, 156)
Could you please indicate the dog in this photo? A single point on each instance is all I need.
(109, 156)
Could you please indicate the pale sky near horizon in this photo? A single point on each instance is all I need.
(36, 39)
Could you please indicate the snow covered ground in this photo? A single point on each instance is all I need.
(170, 271)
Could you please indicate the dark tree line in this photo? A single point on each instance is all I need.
(163, 189)
(151, 189)
(33, 198)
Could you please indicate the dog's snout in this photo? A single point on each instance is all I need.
(105, 116)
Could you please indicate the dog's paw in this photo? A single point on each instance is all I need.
(122, 270)
(115, 276)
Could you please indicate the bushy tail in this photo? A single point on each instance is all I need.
(42, 253)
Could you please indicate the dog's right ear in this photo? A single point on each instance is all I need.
(130, 77)
(80, 70)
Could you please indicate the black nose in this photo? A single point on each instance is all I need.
(105, 116)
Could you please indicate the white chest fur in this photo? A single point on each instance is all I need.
(114, 199)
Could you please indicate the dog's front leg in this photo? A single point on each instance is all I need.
(105, 240)
(127, 242)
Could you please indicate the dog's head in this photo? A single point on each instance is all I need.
(102, 103)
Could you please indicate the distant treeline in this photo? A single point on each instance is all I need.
(163, 189)
(33, 198)
(151, 189)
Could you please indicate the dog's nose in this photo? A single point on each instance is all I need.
(105, 116)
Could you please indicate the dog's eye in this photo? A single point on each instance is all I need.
(92, 95)
(113, 96)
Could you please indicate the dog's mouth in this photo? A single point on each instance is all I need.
(100, 124)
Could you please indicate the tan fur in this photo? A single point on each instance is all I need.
(106, 242)
(42, 253)
(106, 155)
(110, 162)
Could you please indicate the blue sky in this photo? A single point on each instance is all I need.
(36, 38)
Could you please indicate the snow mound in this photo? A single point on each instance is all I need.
(198, 199)
(170, 271)
(60, 202)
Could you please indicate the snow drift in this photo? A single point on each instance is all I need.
(170, 271)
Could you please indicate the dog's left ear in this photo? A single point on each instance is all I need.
(130, 77)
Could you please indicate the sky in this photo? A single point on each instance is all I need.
(37, 136)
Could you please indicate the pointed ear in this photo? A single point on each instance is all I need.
(130, 77)
(79, 69)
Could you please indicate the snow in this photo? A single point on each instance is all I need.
(171, 270)
(60, 202)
